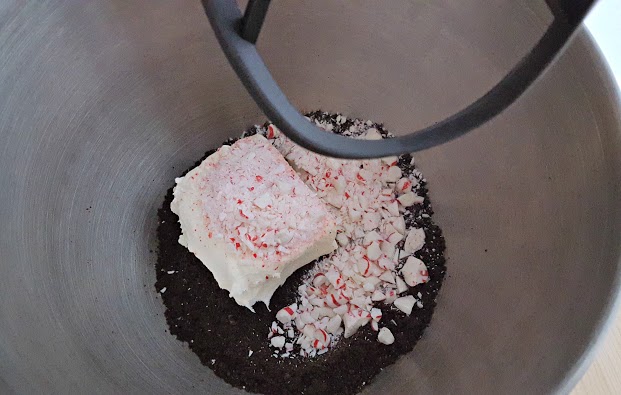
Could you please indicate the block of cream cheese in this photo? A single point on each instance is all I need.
(247, 215)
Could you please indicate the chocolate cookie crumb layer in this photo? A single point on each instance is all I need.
(232, 341)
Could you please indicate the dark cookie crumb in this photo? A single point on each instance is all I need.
(223, 333)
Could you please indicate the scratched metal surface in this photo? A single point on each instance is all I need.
(102, 104)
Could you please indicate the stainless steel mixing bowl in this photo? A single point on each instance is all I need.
(103, 103)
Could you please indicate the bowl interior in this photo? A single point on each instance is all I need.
(102, 104)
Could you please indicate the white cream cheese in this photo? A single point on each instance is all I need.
(251, 220)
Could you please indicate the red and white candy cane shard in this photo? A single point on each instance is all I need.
(319, 280)
(376, 314)
(404, 185)
(286, 314)
(272, 132)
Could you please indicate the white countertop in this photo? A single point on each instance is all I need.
(604, 375)
(604, 22)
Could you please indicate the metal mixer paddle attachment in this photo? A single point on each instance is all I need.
(237, 35)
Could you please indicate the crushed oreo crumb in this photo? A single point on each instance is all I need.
(231, 340)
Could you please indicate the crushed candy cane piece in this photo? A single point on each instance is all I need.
(404, 185)
(409, 199)
(401, 285)
(278, 341)
(414, 271)
(414, 241)
(385, 336)
(405, 304)
(286, 314)
(378, 296)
